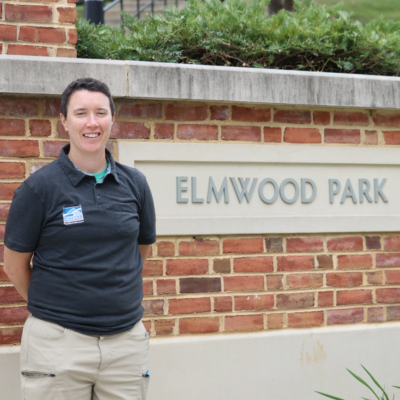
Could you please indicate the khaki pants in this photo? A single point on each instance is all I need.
(61, 364)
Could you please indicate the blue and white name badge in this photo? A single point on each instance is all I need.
(72, 215)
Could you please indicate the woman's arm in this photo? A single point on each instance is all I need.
(144, 251)
(17, 267)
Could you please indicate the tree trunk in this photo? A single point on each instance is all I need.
(277, 5)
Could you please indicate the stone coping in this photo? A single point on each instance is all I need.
(181, 82)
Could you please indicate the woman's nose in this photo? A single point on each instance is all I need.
(92, 120)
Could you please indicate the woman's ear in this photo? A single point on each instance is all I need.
(64, 122)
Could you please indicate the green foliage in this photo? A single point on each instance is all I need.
(384, 395)
(240, 34)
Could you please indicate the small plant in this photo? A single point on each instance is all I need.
(384, 395)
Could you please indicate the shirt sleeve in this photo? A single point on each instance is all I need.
(147, 217)
(25, 220)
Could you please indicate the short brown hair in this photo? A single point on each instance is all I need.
(89, 84)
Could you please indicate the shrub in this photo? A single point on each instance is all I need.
(239, 33)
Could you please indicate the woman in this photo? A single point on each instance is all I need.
(88, 222)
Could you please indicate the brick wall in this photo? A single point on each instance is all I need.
(226, 283)
(38, 28)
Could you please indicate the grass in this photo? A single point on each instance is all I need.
(365, 10)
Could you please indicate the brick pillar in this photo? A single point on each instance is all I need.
(40, 28)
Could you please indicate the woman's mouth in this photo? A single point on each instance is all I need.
(91, 135)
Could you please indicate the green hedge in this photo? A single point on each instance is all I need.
(239, 33)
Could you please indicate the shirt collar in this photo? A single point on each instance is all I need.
(75, 175)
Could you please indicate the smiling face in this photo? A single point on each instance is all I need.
(88, 123)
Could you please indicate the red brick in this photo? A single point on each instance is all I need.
(8, 32)
(272, 135)
(19, 107)
(325, 299)
(72, 36)
(392, 277)
(63, 52)
(4, 208)
(355, 261)
(165, 249)
(322, 117)
(129, 130)
(253, 264)
(42, 35)
(325, 261)
(295, 263)
(1, 252)
(67, 15)
(392, 137)
(199, 325)
(375, 278)
(199, 247)
(302, 135)
(388, 295)
(243, 283)
(292, 116)
(187, 267)
(303, 281)
(387, 260)
(185, 113)
(392, 243)
(7, 190)
(52, 108)
(305, 319)
(345, 297)
(13, 315)
(294, 300)
(352, 243)
(251, 114)
(164, 131)
(147, 288)
(61, 132)
(24, 50)
(373, 242)
(387, 120)
(189, 306)
(200, 285)
(376, 314)
(243, 246)
(254, 302)
(244, 323)
(274, 282)
(147, 325)
(153, 268)
(166, 286)
(350, 118)
(220, 113)
(164, 326)
(53, 148)
(140, 111)
(371, 137)
(153, 307)
(342, 136)
(1, 44)
(12, 127)
(393, 313)
(275, 321)
(8, 294)
(35, 166)
(10, 170)
(345, 316)
(39, 127)
(10, 335)
(306, 244)
(2, 232)
(222, 265)
(197, 132)
(14, 12)
(223, 304)
(242, 133)
(344, 279)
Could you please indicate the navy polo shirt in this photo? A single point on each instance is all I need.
(87, 268)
